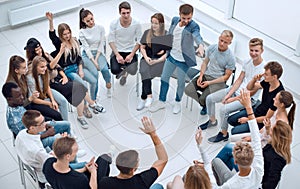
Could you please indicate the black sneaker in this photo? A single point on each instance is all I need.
(218, 138)
(123, 80)
(119, 75)
(203, 111)
(207, 124)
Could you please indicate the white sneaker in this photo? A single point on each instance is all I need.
(81, 153)
(157, 105)
(108, 93)
(141, 105)
(176, 107)
(149, 101)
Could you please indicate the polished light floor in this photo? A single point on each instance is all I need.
(118, 128)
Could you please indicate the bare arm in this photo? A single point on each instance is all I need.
(203, 66)
(54, 61)
(130, 56)
(143, 51)
(162, 156)
(119, 58)
(91, 166)
(269, 114)
(202, 70)
(49, 16)
(221, 79)
(235, 86)
(254, 84)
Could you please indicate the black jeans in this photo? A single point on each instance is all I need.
(130, 67)
(46, 111)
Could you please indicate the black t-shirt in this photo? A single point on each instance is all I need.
(273, 166)
(70, 180)
(142, 180)
(149, 50)
(73, 57)
(267, 99)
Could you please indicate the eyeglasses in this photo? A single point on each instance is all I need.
(41, 124)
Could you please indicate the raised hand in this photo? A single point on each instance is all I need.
(245, 98)
(49, 16)
(198, 136)
(148, 125)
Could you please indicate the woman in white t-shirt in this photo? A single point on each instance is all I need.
(92, 38)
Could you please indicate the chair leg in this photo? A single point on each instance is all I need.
(191, 109)
(112, 82)
(21, 169)
(70, 107)
(187, 102)
(137, 85)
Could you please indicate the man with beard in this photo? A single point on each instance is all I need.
(182, 56)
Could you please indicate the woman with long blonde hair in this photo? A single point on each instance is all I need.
(38, 80)
(277, 153)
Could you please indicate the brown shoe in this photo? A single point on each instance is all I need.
(87, 113)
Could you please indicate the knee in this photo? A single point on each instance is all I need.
(93, 81)
(202, 100)
(232, 120)
(223, 110)
(104, 157)
(209, 99)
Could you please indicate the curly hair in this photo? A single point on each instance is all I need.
(243, 154)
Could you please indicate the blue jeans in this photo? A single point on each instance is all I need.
(77, 165)
(71, 72)
(242, 128)
(59, 127)
(156, 186)
(62, 104)
(227, 157)
(169, 67)
(102, 63)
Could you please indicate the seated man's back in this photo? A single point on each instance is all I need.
(142, 180)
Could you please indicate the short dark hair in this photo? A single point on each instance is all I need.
(29, 117)
(124, 5)
(7, 88)
(275, 68)
(127, 160)
(186, 9)
(63, 146)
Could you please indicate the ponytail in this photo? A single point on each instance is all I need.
(81, 23)
(291, 114)
(82, 14)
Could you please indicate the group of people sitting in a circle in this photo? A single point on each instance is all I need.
(39, 90)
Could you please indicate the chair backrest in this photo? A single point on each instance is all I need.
(48, 186)
(23, 167)
(233, 76)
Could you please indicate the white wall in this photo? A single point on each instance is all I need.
(278, 19)
(15, 4)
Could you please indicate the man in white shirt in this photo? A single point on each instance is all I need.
(28, 142)
(124, 36)
(29, 146)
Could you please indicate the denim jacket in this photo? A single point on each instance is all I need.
(190, 34)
